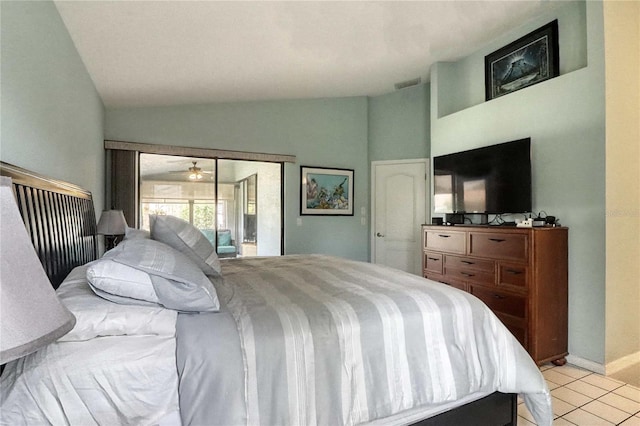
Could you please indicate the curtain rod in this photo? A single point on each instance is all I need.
(182, 151)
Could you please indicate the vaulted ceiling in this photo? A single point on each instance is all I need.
(153, 53)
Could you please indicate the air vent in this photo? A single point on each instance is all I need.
(408, 83)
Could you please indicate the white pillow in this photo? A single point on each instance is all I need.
(142, 271)
(110, 277)
(97, 317)
(132, 233)
(187, 239)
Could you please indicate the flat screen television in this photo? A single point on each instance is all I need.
(494, 179)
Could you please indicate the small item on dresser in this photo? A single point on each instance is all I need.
(544, 219)
(539, 221)
(527, 223)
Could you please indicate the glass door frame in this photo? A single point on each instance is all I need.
(216, 195)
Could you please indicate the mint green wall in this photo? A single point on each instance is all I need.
(51, 115)
(320, 132)
(399, 124)
(565, 119)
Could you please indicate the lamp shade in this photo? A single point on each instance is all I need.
(112, 222)
(31, 316)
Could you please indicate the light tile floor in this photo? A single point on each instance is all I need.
(583, 398)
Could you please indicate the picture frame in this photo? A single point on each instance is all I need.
(529, 60)
(326, 191)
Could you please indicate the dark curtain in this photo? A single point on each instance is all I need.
(122, 186)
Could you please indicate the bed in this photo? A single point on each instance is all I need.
(285, 340)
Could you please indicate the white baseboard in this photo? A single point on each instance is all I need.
(608, 369)
(586, 364)
(622, 363)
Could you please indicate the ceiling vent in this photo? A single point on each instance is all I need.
(408, 83)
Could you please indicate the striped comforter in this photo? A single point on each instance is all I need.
(323, 340)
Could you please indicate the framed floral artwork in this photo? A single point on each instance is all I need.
(326, 191)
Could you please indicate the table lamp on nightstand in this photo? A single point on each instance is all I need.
(112, 225)
(31, 316)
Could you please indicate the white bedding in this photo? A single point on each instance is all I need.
(116, 367)
(97, 317)
(311, 339)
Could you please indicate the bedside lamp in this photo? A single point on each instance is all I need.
(31, 316)
(112, 224)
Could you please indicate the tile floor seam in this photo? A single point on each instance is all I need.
(561, 386)
(600, 417)
(559, 417)
(630, 417)
(602, 402)
(610, 421)
(619, 383)
(591, 399)
(581, 405)
(612, 392)
(595, 381)
(594, 414)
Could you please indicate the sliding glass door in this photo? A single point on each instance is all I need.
(236, 204)
(257, 205)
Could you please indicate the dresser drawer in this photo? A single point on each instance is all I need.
(501, 302)
(457, 284)
(470, 275)
(454, 283)
(447, 241)
(498, 245)
(513, 275)
(517, 327)
(433, 276)
(433, 262)
(519, 273)
(469, 263)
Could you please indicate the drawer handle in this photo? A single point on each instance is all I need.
(498, 296)
(433, 258)
(467, 262)
(443, 235)
(514, 271)
(496, 240)
(467, 274)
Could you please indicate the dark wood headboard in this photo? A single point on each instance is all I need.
(59, 218)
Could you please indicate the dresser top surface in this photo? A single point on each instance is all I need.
(461, 227)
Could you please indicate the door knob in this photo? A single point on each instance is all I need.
(379, 235)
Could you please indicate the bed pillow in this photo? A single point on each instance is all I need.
(96, 317)
(133, 233)
(145, 272)
(187, 239)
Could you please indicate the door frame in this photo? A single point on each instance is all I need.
(427, 211)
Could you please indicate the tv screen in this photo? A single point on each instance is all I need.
(494, 179)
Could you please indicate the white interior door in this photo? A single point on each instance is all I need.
(399, 206)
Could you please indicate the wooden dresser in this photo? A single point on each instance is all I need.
(520, 273)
